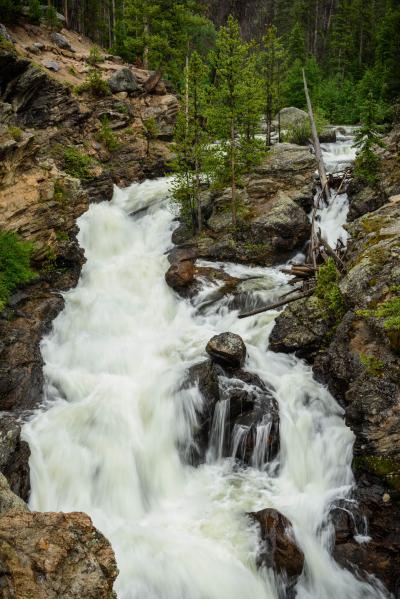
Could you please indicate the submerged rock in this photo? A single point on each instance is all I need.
(227, 349)
(281, 553)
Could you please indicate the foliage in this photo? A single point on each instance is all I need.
(9, 10)
(95, 56)
(35, 11)
(151, 128)
(75, 162)
(51, 18)
(272, 57)
(327, 288)
(107, 136)
(94, 85)
(300, 132)
(14, 264)
(190, 145)
(15, 132)
(389, 312)
(235, 108)
(366, 140)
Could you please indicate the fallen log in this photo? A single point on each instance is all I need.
(331, 253)
(304, 274)
(316, 144)
(277, 304)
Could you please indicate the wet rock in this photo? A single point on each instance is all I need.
(62, 555)
(281, 551)
(52, 65)
(14, 455)
(291, 116)
(301, 328)
(227, 349)
(8, 499)
(123, 81)
(364, 199)
(328, 135)
(61, 41)
(180, 275)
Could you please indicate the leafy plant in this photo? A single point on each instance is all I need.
(94, 85)
(95, 56)
(327, 288)
(76, 163)
(107, 136)
(15, 267)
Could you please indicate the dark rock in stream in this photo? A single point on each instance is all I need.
(227, 349)
(280, 551)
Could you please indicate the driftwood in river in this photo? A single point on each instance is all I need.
(279, 304)
(316, 144)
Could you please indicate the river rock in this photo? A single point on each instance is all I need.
(61, 41)
(14, 455)
(8, 499)
(123, 81)
(180, 275)
(291, 116)
(281, 551)
(227, 349)
(54, 555)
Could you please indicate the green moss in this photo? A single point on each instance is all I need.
(327, 289)
(373, 365)
(389, 312)
(62, 236)
(6, 45)
(15, 132)
(15, 267)
(60, 194)
(386, 468)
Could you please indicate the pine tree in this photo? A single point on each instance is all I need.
(191, 143)
(235, 108)
(273, 56)
(367, 140)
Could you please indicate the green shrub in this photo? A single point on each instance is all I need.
(94, 85)
(35, 11)
(95, 56)
(51, 19)
(76, 163)
(15, 132)
(107, 137)
(14, 264)
(151, 128)
(327, 289)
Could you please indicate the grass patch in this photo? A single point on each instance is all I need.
(15, 132)
(75, 163)
(15, 256)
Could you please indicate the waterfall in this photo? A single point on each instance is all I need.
(107, 439)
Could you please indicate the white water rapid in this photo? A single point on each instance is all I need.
(106, 439)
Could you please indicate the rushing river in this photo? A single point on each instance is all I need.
(106, 439)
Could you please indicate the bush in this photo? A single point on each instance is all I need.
(76, 163)
(14, 264)
(300, 132)
(35, 12)
(95, 56)
(15, 132)
(107, 137)
(94, 85)
(327, 288)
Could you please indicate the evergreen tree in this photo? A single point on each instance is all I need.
(235, 107)
(191, 143)
(272, 56)
(367, 140)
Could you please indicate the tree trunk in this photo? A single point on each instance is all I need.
(317, 146)
(146, 47)
(113, 21)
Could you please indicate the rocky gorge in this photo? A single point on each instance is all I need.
(41, 199)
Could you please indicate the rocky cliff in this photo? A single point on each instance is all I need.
(357, 356)
(59, 151)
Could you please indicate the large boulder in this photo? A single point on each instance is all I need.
(227, 349)
(280, 551)
(123, 81)
(14, 455)
(180, 275)
(54, 555)
(291, 116)
(61, 41)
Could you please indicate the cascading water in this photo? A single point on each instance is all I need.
(109, 438)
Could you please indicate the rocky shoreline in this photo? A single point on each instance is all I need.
(41, 197)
